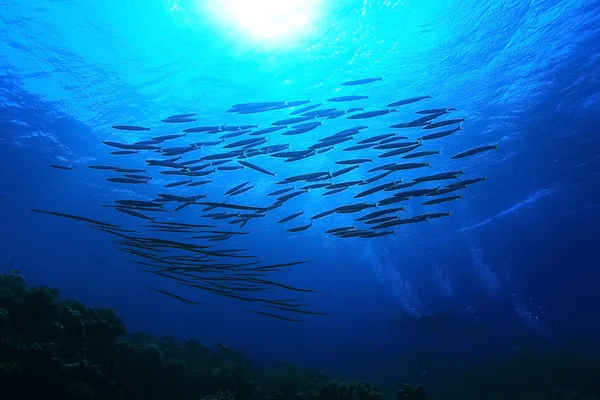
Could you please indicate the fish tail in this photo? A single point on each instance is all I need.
(497, 147)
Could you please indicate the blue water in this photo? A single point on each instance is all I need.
(514, 267)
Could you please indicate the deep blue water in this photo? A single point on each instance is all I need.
(514, 267)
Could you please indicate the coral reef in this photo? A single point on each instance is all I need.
(64, 350)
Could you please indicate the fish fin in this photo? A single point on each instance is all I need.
(459, 127)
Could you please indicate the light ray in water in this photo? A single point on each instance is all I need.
(530, 200)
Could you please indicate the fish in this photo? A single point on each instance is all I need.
(354, 109)
(436, 110)
(175, 296)
(63, 167)
(296, 310)
(134, 213)
(445, 123)
(177, 120)
(335, 114)
(475, 150)
(305, 109)
(354, 161)
(198, 129)
(406, 166)
(421, 154)
(380, 213)
(376, 138)
(399, 151)
(423, 121)
(300, 228)
(441, 200)
(352, 208)
(466, 182)
(371, 114)
(329, 143)
(342, 229)
(307, 125)
(347, 98)
(290, 217)
(273, 315)
(344, 133)
(182, 115)
(292, 154)
(439, 176)
(267, 130)
(392, 139)
(291, 195)
(399, 221)
(316, 185)
(240, 191)
(343, 185)
(255, 167)
(230, 167)
(280, 191)
(408, 101)
(358, 147)
(344, 170)
(175, 184)
(389, 146)
(233, 206)
(237, 187)
(375, 189)
(130, 128)
(244, 142)
(323, 214)
(381, 220)
(376, 178)
(138, 203)
(361, 81)
(381, 167)
(291, 121)
(129, 170)
(75, 217)
(436, 215)
(304, 177)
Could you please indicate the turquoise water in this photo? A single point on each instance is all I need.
(513, 267)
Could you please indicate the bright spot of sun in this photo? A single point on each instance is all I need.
(267, 21)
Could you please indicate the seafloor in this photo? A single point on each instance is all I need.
(52, 348)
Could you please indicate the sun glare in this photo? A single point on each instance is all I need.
(267, 21)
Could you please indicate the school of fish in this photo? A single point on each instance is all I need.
(393, 167)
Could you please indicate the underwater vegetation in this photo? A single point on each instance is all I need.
(66, 350)
(61, 349)
(196, 156)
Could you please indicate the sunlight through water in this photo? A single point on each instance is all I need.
(268, 22)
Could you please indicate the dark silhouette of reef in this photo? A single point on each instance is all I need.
(52, 348)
